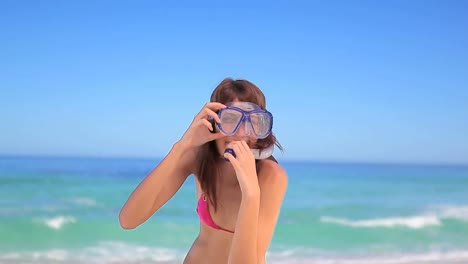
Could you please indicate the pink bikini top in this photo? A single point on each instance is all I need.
(204, 213)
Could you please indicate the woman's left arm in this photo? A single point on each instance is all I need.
(273, 182)
(262, 197)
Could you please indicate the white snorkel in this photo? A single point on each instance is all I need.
(265, 153)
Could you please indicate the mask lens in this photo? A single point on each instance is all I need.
(229, 120)
(261, 124)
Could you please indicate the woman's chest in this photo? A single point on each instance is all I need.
(228, 204)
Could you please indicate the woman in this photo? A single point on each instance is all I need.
(239, 191)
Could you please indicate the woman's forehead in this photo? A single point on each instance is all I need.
(247, 106)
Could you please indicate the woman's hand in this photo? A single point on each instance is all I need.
(200, 130)
(244, 166)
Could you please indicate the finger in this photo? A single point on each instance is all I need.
(247, 148)
(238, 149)
(212, 136)
(205, 113)
(217, 135)
(213, 114)
(244, 148)
(207, 123)
(232, 159)
(214, 106)
(245, 145)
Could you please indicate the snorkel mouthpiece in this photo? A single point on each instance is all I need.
(258, 154)
(230, 151)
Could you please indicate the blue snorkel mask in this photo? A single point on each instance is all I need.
(256, 121)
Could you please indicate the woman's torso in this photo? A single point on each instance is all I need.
(212, 245)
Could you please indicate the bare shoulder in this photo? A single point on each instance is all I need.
(272, 174)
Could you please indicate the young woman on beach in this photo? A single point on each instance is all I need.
(239, 185)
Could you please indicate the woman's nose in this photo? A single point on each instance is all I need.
(244, 129)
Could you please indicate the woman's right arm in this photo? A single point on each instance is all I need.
(158, 186)
(164, 181)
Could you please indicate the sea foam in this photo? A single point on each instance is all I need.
(433, 216)
(411, 222)
(84, 201)
(57, 222)
(121, 252)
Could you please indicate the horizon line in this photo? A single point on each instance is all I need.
(317, 161)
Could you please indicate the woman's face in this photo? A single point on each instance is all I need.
(243, 133)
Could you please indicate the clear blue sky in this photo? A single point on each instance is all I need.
(352, 81)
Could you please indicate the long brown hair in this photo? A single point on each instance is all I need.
(208, 159)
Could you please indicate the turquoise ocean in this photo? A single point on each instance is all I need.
(65, 210)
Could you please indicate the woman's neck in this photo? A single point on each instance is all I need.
(227, 175)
